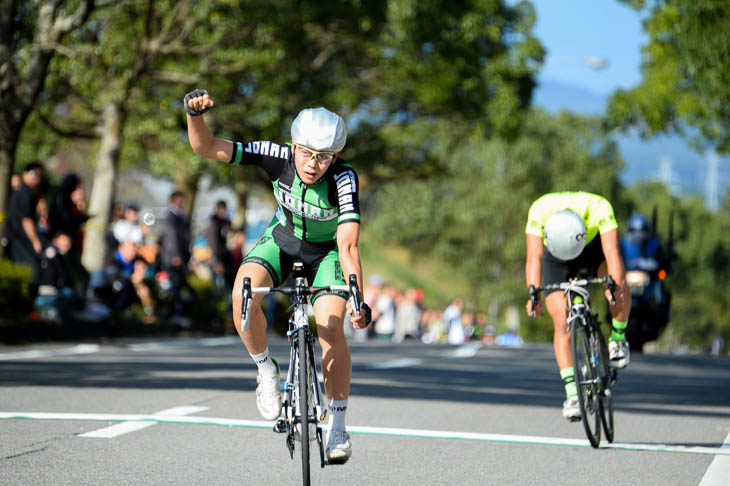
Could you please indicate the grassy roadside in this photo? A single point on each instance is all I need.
(398, 266)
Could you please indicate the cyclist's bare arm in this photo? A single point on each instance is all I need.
(348, 235)
(533, 268)
(610, 245)
(201, 139)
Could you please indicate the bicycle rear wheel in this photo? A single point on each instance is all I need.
(586, 382)
(606, 392)
(303, 402)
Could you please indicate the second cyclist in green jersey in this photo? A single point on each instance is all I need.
(568, 232)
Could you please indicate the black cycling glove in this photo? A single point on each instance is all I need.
(368, 312)
(194, 94)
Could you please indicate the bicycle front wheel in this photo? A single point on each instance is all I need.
(303, 402)
(586, 380)
(606, 392)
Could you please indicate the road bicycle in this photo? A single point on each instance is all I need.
(594, 376)
(302, 410)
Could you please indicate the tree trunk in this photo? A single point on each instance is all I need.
(102, 192)
(7, 156)
(241, 189)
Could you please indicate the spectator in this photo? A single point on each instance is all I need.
(67, 212)
(128, 228)
(24, 244)
(125, 274)
(175, 251)
(15, 181)
(217, 235)
(385, 306)
(407, 318)
(238, 244)
(56, 295)
(452, 322)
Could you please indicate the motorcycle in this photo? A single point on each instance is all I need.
(650, 301)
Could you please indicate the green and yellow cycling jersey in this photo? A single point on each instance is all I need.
(596, 211)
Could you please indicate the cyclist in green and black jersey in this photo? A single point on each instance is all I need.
(318, 223)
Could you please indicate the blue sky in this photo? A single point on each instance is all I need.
(574, 30)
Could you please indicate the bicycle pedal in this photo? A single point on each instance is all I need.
(280, 426)
(574, 419)
(336, 462)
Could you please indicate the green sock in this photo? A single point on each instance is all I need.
(618, 331)
(568, 376)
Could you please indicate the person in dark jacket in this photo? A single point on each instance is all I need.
(24, 244)
(175, 250)
(67, 214)
(217, 235)
(56, 295)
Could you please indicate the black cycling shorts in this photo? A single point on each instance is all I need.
(555, 270)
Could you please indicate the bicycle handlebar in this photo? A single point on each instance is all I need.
(352, 289)
(608, 280)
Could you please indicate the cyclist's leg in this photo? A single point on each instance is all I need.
(255, 337)
(329, 312)
(263, 266)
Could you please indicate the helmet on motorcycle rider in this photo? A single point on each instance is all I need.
(319, 129)
(565, 234)
(638, 225)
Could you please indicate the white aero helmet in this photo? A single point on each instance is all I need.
(319, 129)
(565, 234)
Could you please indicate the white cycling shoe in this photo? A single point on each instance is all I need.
(619, 353)
(571, 409)
(268, 395)
(339, 447)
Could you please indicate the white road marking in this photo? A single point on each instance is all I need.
(719, 471)
(187, 343)
(50, 353)
(467, 350)
(388, 431)
(134, 425)
(396, 363)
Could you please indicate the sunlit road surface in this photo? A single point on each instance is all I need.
(183, 412)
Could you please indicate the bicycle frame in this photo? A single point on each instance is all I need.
(301, 360)
(594, 377)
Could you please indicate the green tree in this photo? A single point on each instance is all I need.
(686, 80)
(380, 64)
(473, 215)
(30, 35)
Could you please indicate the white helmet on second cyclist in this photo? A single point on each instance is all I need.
(319, 129)
(565, 234)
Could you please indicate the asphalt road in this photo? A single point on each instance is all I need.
(418, 414)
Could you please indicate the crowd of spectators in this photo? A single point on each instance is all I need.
(147, 265)
(401, 316)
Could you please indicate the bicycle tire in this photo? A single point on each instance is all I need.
(606, 399)
(303, 402)
(585, 380)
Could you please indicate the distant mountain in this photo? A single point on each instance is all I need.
(668, 157)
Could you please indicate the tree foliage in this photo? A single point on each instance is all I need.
(686, 80)
(473, 215)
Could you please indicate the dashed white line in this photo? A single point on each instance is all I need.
(50, 353)
(396, 363)
(133, 426)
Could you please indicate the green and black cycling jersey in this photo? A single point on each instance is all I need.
(309, 213)
(305, 226)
